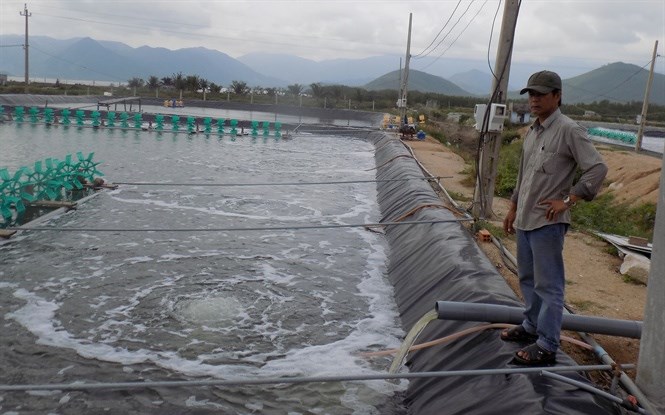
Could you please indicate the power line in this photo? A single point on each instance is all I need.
(444, 26)
(303, 379)
(458, 36)
(449, 31)
(278, 183)
(76, 64)
(603, 94)
(257, 228)
(124, 17)
(298, 39)
(489, 43)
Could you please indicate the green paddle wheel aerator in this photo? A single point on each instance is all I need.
(51, 179)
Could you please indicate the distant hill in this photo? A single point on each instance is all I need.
(617, 81)
(418, 81)
(474, 81)
(88, 59)
(293, 69)
(85, 56)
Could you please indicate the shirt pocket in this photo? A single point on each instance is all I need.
(550, 162)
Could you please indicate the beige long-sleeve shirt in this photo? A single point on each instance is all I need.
(551, 153)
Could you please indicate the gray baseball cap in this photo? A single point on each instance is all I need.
(543, 82)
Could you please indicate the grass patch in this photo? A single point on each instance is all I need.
(469, 173)
(611, 249)
(509, 163)
(459, 197)
(583, 305)
(605, 215)
(630, 280)
(496, 231)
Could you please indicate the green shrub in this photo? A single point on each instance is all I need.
(605, 215)
(508, 136)
(509, 163)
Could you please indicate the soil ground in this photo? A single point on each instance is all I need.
(594, 285)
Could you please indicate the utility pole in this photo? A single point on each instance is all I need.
(489, 155)
(25, 46)
(651, 361)
(399, 80)
(405, 77)
(645, 104)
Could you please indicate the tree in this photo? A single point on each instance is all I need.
(167, 81)
(239, 87)
(203, 86)
(317, 90)
(179, 82)
(192, 82)
(295, 89)
(153, 82)
(135, 83)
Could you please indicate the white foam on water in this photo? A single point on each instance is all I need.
(210, 310)
(4, 284)
(172, 257)
(138, 259)
(38, 317)
(212, 301)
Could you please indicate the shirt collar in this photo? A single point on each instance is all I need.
(545, 124)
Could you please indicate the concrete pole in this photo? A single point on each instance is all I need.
(645, 104)
(25, 46)
(489, 157)
(405, 75)
(651, 361)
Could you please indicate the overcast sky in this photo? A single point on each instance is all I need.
(555, 33)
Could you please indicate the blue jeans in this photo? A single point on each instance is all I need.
(542, 281)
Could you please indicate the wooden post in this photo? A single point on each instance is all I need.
(645, 104)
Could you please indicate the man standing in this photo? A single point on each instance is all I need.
(554, 148)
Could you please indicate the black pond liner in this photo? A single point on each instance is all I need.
(441, 261)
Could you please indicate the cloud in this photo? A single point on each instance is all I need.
(580, 32)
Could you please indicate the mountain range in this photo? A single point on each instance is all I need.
(89, 59)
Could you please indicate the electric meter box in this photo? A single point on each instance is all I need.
(497, 116)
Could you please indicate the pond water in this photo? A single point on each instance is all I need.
(133, 306)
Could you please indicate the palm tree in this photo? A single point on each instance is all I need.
(317, 90)
(179, 82)
(167, 81)
(153, 82)
(153, 85)
(295, 89)
(203, 85)
(239, 87)
(135, 82)
(192, 82)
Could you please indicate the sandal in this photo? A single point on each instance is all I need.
(518, 334)
(535, 356)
